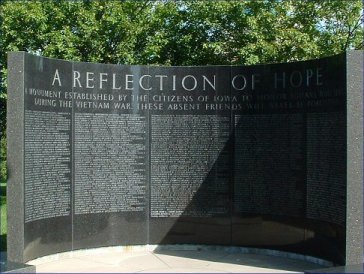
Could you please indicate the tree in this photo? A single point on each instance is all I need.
(181, 32)
(249, 32)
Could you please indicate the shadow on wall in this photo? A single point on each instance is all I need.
(265, 217)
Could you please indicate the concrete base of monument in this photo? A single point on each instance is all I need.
(355, 268)
(11, 267)
(176, 259)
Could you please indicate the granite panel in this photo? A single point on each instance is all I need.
(190, 156)
(47, 157)
(110, 171)
(290, 143)
(354, 160)
(15, 156)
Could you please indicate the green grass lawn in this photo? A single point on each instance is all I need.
(2, 217)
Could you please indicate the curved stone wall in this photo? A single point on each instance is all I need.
(103, 155)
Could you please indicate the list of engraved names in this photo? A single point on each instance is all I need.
(47, 164)
(184, 152)
(110, 164)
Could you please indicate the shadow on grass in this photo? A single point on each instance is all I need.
(3, 242)
(3, 190)
(2, 195)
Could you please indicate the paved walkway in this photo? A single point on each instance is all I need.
(116, 260)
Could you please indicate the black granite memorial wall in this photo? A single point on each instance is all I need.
(263, 156)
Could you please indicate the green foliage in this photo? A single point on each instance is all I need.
(97, 31)
(181, 32)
